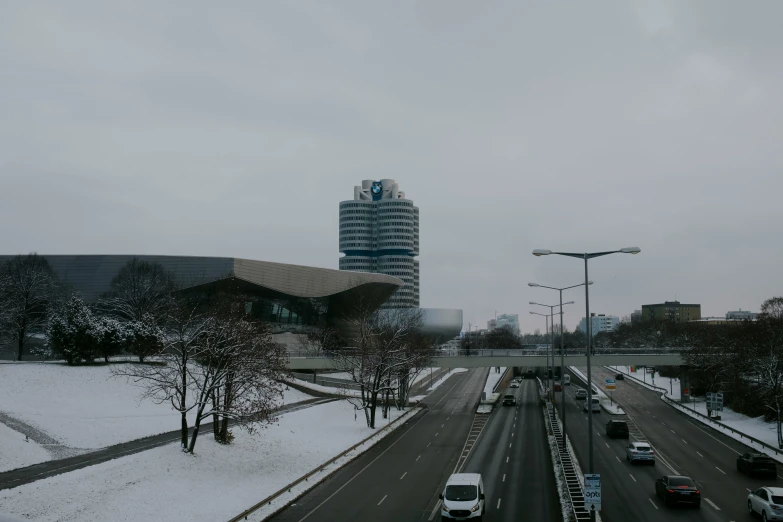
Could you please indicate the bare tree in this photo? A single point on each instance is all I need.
(767, 357)
(385, 349)
(141, 290)
(27, 288)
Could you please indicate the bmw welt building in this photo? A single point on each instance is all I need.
(288, 297)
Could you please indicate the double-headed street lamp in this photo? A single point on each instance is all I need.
(547, 317)
(562, 347)
(552, 343)
(586, 256)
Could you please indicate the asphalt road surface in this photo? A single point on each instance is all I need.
(401, 477)
(514, 460)
(682, 446)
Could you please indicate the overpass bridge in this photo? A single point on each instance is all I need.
(516, 357)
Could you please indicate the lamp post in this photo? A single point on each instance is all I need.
(586, 256)
(562, 347)
(547, 352)
(552, 344)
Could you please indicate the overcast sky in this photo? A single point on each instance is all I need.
(234, 129)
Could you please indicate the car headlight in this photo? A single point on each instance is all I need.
(475, 508)
(445, 508)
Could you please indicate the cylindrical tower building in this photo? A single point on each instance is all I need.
(379, 232)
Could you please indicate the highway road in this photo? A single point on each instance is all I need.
(401, 477)
(682, 445)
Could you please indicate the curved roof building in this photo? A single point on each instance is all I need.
(282, 294)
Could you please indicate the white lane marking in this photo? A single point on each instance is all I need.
(506, 460)
(653, 503)
(403, 475)
(673, 431)
(504, 477)
(428, 444)
(509, 444)
(384, 498)
(447, 418)
(716, 440)
(749, 491)
(685, 441)
(699, 454)
(607, 444)
(663, 423)
(716, 467)
(618, 459)
(436, 433)
(515, 425)
(711, 503)
(363, 469)
(417, 458)
(597, 433)
(634, 479)
(512, 433)
(498, 504)
(442, 425)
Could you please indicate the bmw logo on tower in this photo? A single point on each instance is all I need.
(376, 190)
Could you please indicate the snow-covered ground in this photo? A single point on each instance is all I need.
(436, 384)
(671, 385)
(492, 379)
(15, 452)
(331, 390)
(86, 407)
(166, 484)
(424, 373)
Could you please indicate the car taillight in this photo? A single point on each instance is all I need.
(671, 491)
(652, 453)
(683, 487)
(698, 492)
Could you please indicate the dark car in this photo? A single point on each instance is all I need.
(529, 374)
(619, 377)
(617, 428)
(675, 489)
(756, 463)
(558, 386)
(509, 400)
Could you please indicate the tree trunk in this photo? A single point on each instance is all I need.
(196, 426)
(141, 358)
(373, 406)
(20, 347)
(215, 418)
(184, 430)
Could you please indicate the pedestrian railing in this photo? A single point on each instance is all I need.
(506, 352)
(680, 406)
(574, 489)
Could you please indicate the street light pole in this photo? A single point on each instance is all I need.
(586, 257)
(552, 344)
(547, 352)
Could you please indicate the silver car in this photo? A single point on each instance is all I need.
(767, 502)
(639, 452)
(581, 393)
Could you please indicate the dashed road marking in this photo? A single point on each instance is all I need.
(504, 477)
(417, 458)
(384, 498)
(716, 467)
(685, 441)
(653, 503)
(403, 475)
(618, 459)
(711, 503)
(634, 479)
(699, 454)
(498, 504)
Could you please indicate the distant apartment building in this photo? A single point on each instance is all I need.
(491, 324)
(599, 323)
(673, 311)
(510, 321)
(742, 315)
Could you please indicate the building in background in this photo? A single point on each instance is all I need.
(379, 233)
(491, 324)
(599, 323)
(742, 315)
(636, 316)
(673, 311)
(510, 321)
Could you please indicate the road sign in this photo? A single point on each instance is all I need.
(610, 384)
(715, 401)
(593, 492)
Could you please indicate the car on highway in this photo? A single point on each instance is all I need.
(617, 428)
(596, 405)
(509, 400)
(676, 489)
(566, 380)
(580, 393)
(463, 498)
(619, 377)
(766, 502)
(757, 463)
(639, 452)
(558, 386)
(514, 384)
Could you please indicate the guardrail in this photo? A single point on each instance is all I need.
(674, 403)
(325, 381)
(512, 352)
(305, 478)
(566, 459)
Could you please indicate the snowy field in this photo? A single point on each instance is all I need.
(217, 483)
(16, 453)
(492, 380)
(85, 407)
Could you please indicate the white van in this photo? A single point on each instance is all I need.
(596, 405)
(567, 380)
(463, 498)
